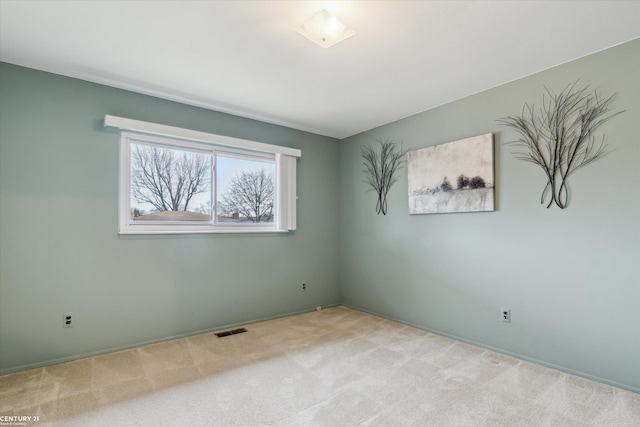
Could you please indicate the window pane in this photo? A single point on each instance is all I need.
(170, 184)
(245, 190)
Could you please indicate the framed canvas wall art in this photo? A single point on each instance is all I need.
(453, 177)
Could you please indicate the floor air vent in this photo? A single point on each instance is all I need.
(231, 332)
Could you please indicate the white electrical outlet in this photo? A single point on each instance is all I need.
(505, 315)
(67, 320)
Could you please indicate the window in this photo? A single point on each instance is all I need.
(174, 180)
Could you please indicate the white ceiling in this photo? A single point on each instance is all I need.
(244, 57)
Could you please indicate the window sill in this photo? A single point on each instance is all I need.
(190, 230)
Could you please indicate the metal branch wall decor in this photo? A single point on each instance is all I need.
(559, 136)
(381, 169)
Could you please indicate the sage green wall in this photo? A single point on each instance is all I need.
(571, 277)
(59, 247)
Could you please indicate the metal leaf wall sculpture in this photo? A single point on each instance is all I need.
(559, 136)
(381, 169)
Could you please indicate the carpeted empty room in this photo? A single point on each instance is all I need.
(337, 367)
(320, 213)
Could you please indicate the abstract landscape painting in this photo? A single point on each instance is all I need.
(452, 177)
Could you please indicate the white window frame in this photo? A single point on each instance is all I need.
(135, 131)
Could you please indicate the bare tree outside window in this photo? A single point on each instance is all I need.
(250, 195)
(168, 179)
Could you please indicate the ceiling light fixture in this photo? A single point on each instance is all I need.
(325, 30)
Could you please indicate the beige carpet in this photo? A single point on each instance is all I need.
(338, 367)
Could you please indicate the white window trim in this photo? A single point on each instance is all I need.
(285, 160)
(194, 135)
